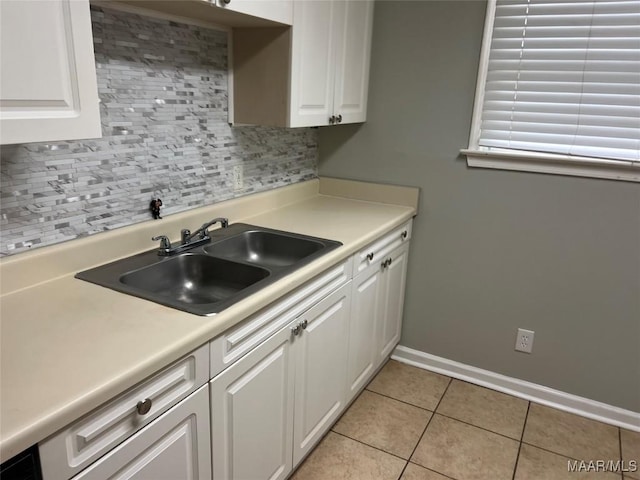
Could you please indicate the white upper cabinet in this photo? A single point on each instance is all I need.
(47, 72)
(313, 48)
(280, 11)
(353, 51)
(330, 52)
(314, 74)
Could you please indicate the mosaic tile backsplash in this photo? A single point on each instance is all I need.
(163, 93)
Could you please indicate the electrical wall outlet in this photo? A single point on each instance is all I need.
(524, 340)
(238, 177)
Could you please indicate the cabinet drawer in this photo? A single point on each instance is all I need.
(174, 446)
(84, 441)
(374, 252)
(238, 341)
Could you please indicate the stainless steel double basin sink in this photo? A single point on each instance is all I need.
(238, 261)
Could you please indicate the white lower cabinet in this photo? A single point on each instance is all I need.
(376, 316)
(391, 302)
(321, 353)
(365, 301)
(251, 413)
(271, 407)
(174, 446)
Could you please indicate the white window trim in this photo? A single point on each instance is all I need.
(533, 161)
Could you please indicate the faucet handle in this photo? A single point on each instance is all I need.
(165, 243)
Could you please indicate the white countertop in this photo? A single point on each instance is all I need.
(67, 346)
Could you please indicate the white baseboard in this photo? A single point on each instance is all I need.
(519, 388)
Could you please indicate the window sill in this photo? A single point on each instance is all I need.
(554, 164)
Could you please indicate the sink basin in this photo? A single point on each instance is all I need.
(205, 279)
(194, 279)
(265, 248)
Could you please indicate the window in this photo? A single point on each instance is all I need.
(559, 88)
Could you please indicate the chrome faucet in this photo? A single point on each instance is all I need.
(203, 232)
(188, 239)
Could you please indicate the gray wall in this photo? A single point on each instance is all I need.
(163, 93)
(494, 250)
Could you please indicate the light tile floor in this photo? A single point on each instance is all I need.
(412, 424)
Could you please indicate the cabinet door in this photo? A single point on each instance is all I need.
(321, 353)
(392, 302)
(252, 414)
(48, 73)
(353, 50)
(175, 445)
(276, 10)
(312, 63)
(365, 300)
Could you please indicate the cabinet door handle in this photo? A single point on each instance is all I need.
(304, 324)
(295, 330)
(404, 234)
(383, 265)
(332, 119)
(226, 2)
(143, 406)
(390, 260)
(339, 118)
(369, 256)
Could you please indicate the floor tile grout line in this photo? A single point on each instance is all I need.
(371, 446)
(620, 443)
(429, 469)
(477, 426)
(567, 457)
(403, 470)
(427, 426)
(524, 425)
(447, 416)
(399, 400)
(551, 451)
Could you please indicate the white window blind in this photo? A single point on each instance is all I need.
(563, 78)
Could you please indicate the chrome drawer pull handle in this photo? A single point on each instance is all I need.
(143, 406)
(404, 234)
